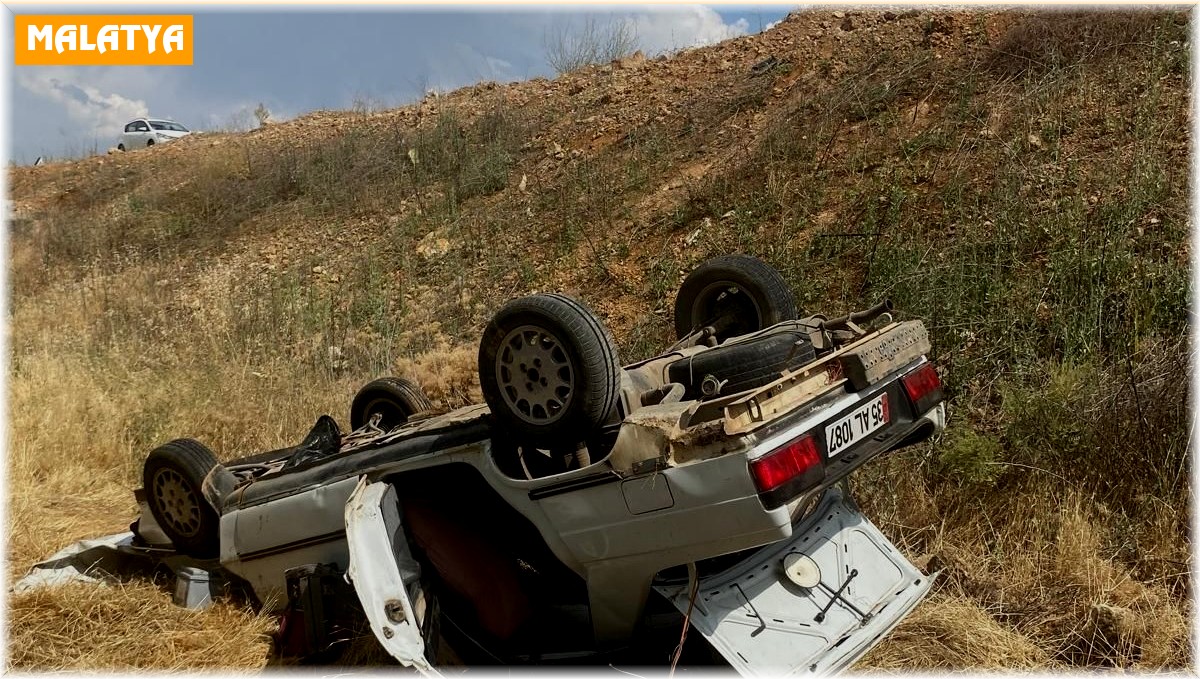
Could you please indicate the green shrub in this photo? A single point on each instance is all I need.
(968, 457)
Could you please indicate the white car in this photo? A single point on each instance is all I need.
(150, 131)
(588, 512)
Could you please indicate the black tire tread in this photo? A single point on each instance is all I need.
(748, 272)
(194, 461)
(746, 364)
(409, 395)
(608, 350)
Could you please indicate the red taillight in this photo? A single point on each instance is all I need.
(777, 468)
(923, 387)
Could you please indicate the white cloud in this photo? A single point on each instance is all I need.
(669, 28)
(501, 70)
(461, 64)
(95, 111)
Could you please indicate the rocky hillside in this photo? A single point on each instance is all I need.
(1019, 181)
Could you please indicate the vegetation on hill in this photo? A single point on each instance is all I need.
(1017, 180)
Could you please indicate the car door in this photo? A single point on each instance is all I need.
(812, 604)
(140, 134)
(385, 575)
(128, 135)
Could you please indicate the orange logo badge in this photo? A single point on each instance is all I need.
(103, 40)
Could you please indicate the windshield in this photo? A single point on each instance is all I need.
(167, 125)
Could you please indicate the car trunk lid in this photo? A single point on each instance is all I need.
(849, 586)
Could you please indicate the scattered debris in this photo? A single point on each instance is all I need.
(764, 65)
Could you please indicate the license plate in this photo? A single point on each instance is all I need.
(854, 427)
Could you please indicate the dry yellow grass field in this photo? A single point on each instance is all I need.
(1018, 181)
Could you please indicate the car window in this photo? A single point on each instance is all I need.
(167, 125)
(139, 126)
(131, 127)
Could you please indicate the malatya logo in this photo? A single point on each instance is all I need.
(103, 40)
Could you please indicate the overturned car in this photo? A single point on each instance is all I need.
(589, 512)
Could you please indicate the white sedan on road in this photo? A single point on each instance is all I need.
(149, 131)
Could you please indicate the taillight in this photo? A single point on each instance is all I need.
(923, 387)
(796, 460)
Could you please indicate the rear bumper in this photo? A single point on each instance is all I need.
(908, 427)
(920, 429)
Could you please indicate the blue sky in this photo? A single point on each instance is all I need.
(296, 61)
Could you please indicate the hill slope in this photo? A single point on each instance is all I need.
(1019, 181)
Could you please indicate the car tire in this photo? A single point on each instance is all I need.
(745, 288)
(173, 478)
(396, 398)
(149, 142)
(121, 147)
(742, 365)
(548, 370)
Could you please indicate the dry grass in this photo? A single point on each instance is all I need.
(1031, 572)
(448, 375)
(130, 626)
(949, 632)
(1041, 41)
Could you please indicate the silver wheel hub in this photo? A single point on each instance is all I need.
(177, 502)
(535, 375)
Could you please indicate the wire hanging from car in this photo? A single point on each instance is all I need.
(693, 589)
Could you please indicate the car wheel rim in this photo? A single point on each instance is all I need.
(177, 502)
(727, 298)
(535, 375)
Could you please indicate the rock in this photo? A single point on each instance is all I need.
(433, 245)
(521, 186)
(631, 61)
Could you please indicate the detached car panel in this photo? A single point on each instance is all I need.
(810, 604)
(384, 573)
